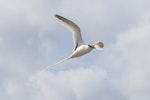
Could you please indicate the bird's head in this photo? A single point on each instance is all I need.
(99, 45)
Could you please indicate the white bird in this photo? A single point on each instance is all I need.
(80, 48)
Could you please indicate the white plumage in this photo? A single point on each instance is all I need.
(80, 48)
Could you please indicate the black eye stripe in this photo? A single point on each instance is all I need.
(90, 46)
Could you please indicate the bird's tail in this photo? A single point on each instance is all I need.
(99, 45)
(49, 67)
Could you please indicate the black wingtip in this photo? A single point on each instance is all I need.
(58, 16)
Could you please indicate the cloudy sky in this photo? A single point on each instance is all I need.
(31, 39)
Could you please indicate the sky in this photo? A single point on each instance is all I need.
(31, 39)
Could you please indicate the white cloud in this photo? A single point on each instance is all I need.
(29, 41)
(79, 84)
(135, 48)
(128, 62)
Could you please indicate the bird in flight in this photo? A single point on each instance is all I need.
(80, 48)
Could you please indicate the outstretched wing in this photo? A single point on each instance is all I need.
(77, 38)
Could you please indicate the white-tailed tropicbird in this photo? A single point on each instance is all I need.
(80, 48)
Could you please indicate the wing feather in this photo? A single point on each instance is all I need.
(77, 38)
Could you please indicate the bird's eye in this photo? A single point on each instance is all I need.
(90, 46)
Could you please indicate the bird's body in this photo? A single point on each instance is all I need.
(80, 48)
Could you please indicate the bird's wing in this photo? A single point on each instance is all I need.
(49, 67)
(77, 38)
